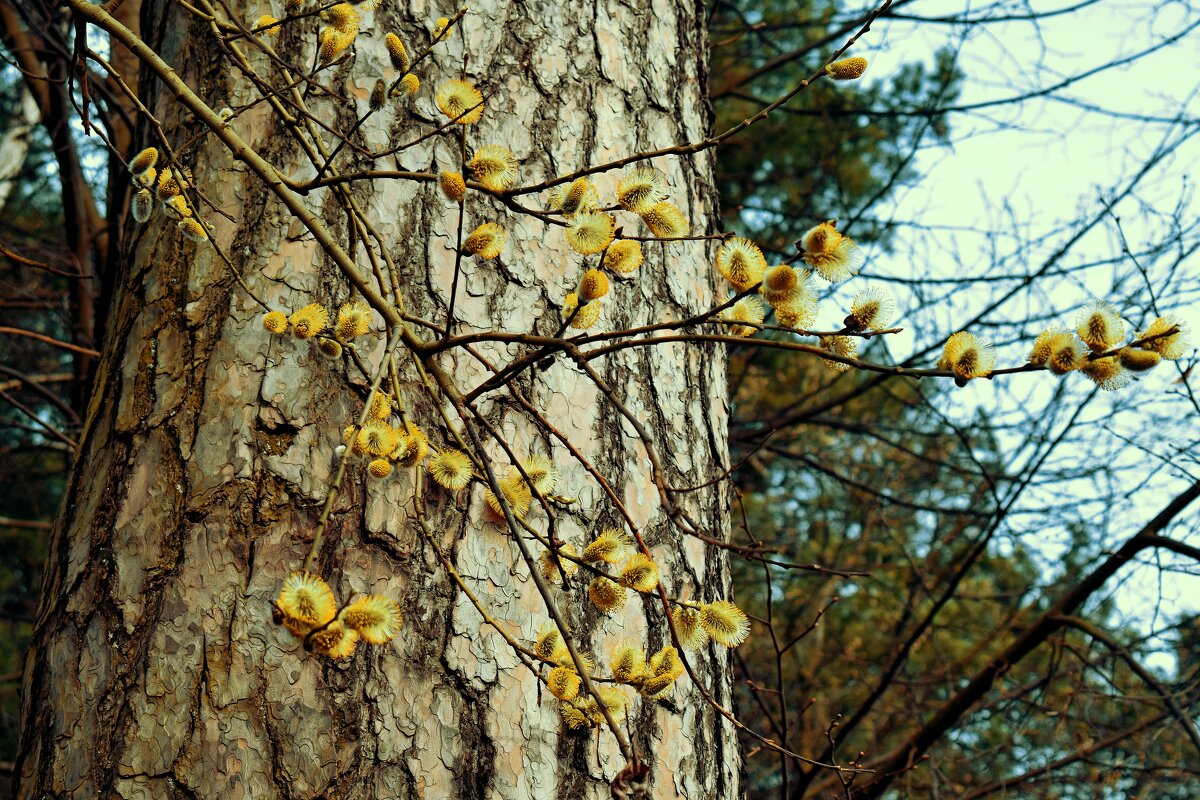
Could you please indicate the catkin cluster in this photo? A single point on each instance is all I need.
(1097, 348)
(165, 188)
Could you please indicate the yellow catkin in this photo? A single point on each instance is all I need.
(623, 257)
(611, 547)
(353, 319)
(309, 321)
(967, 356)
(410, 84)
(820, 238)
(330, 348)
(640, 573)
(1044, 346)
(143, 161)
(583, 318)
(494, 166)
(641, 188)
(1100, 326)
(516, 493)
(1136, 360)
(627, 662)
(724, 623)
(168, 185)
(460, 101)
(615, 704)
(657, 686)
(304, 602)
(798, 309)
(593, 285)
(333, 42)
(397, 53)
(549, 644)
(795, 307)
(847, 69)
(451, 469)
(844, 346)
(377, 438)
(574, 717)
(177, 207)
(606, 595)
(413, 447)
(692, 635)
(275, 322)
(268, 25)
(578, 197)
(1068, 355)
(1169, 345)
(193, 229)
(375, 618)
(590, 233)
(563, 683)
(741, 262)
(560, 568)
(834, 256)
(343, 16)
(335, 640)
(486, 241)
(664, 220)
(380, 407)
(748, 309)
(666, 662)
(146, 178)
(587, 317)
(1107, 373)
(453, 186)
(779, 282)
(873, 310)
(542, 473)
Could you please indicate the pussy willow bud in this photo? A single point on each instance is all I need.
(487, 241)
(143, 161)
(193, 229)
(397, 53)
(276, 322)
(453, 186)
(409, 85)
(143, 205)
(593, 286)
(1139, 360)
(847, 69)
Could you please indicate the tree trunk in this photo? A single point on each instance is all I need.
(14, 142)
(156, 670)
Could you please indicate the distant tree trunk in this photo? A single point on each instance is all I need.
(156, 670)
(14, 142)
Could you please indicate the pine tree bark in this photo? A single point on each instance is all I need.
(156, 671)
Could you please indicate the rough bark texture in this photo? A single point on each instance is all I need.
(156, 670)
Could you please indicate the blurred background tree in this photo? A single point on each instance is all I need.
(37, 418)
